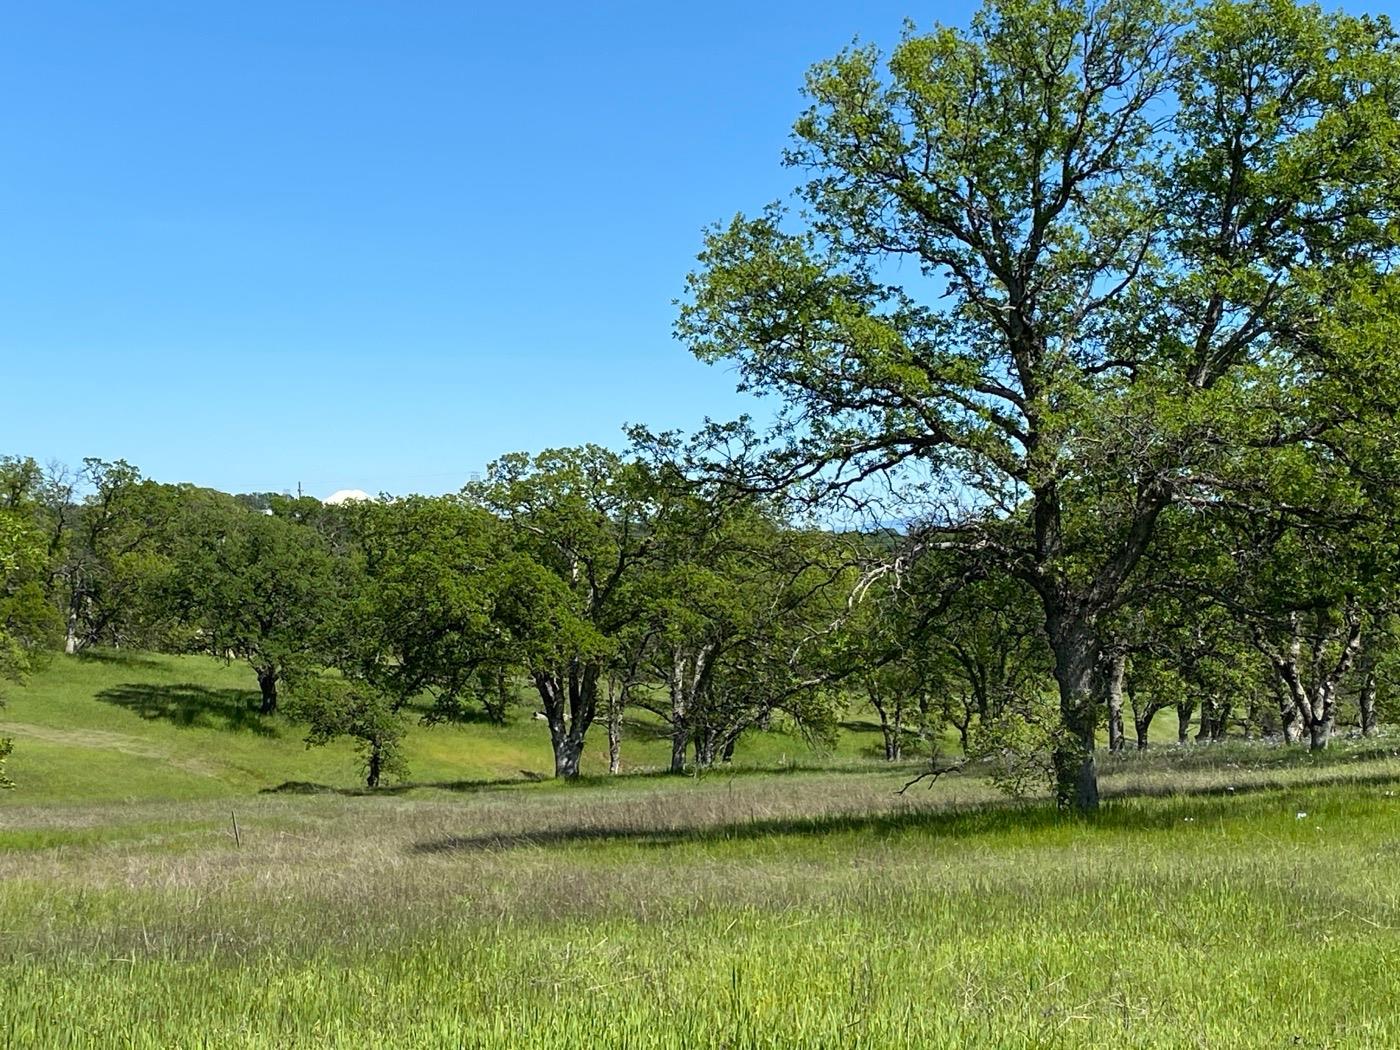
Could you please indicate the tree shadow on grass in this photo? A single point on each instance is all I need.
(117, 657)
(949, 821)
(1233, 753)
(587, 782)
(304, 787)
(192, 706)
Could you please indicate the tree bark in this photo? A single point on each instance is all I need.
(570, 707)
(891, 724)
(615, 744)
(689, 673)
(680, 731)
(1290, 719)
(616, 705)
(1311, 705)
(1141, 725)
(1220, 719)
(1206, 722)
(567, 758)
(1367, 702)
(1117, 667)
(1142, 718)
(1076, 657)
(705, 748)
(1184, 710)
(376, 762)
(267, 684)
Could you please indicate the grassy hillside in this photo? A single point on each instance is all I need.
(1237, 895)
(114, 725)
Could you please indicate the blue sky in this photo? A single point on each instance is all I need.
(374, 245)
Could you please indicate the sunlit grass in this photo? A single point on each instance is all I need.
(800, 910)
(120, 726)
(1234, 895)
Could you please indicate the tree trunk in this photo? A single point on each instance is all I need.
(567, 758)
(1289, 718)
(894, 738)
(1142, 718)
(682, 686)
(376, 762)
(616, 705)
(1220, 720)
(1184, 710)
(1251, 715)
(267, 683)
(705, 748)
(1117, 667)
(890, 725)
(1076, 653)
(1203, 722)
(964, 729)
(567, 726)
(1367, 702)
(615, 744)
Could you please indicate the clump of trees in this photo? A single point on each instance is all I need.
(1147, 275)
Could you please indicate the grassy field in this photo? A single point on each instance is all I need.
(1226, 896)
(125, 726)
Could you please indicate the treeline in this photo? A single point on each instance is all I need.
(586, 581)
(584, 584)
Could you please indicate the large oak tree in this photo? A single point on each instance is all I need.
(1055, 270)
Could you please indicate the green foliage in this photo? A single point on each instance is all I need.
(1018, 744)
(27, 621)
(111, 553)
(1148, 251)
(341, 707)
(254, 587)
(740, 608)
(423, 616)
(578, 531)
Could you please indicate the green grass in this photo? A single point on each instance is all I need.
(1226, 896)
(123, 726)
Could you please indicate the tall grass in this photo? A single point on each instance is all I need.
(816, 910)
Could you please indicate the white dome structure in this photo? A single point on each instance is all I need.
(335, 499)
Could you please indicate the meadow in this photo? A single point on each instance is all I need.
(1225, 895)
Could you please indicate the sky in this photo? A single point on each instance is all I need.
(374, 245)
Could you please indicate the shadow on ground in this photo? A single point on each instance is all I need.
(584, 783)
(950, 821)
(305, 787)
(118, 657)
(192, 706)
